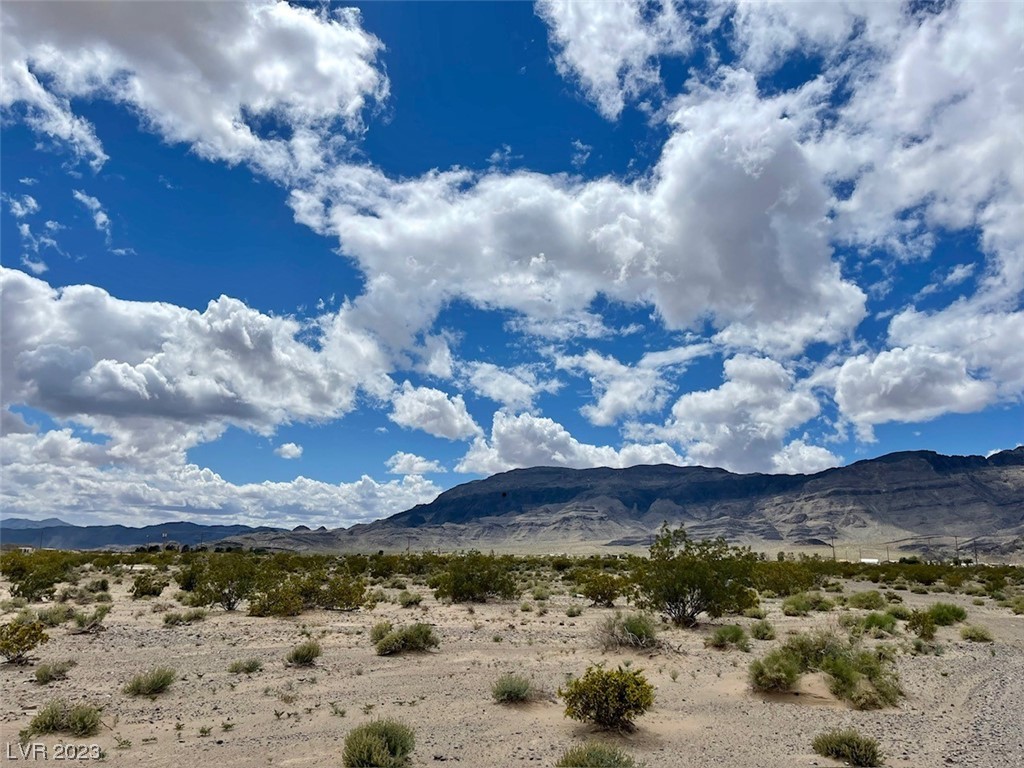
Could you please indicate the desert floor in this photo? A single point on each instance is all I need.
(963, 708)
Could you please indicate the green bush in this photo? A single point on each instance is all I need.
(762, 630)
(848, 746)
(922, 624)
(946, 614)
(975, 634)
(573, 611)
(600, 588)
(151, 683)
(873, 600)
(610, 699)
(380, 744)
(595, 756)
(58, 716)
(380, 630)
(475, 577)
(632, 630)
(174, 618)
(283, 599)
(226, 579)
(900, 612)
(805, 602)
(55, 615)
(417, 637)
(777, 671)
(245, 667)
(147, 584)
(342, 593)
(85, 620)
(729, 635)
(783, 578)
(304, 654)
(98, 585)
(18, 639)
(56, 670)
(512, 689)
(409, 599)
(683, 578)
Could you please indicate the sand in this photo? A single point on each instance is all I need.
(964, 708)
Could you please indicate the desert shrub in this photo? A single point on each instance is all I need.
(58, 716)
(573, 611)
(729, 635)
(84, 620)
(475, 577)
(609, 699)
(227, 579)
(151, 683)
(55, 615)
(174, 618)
(512, 689)
(683, 578)
(975, 634)
(55, 670)
(922, 624)
(874, 624)
(283, 599)
(1017, 605)
(863, 678)
(632, 630)
(34, 576)
(342, 593)
(777, 671)
(600, 588)
(380, 630)
(380, 744)
(783, 578)
(409, 599)
(946, 614)
(417, 637)
(245, 667)
(848, 746)
(757, 612)
(872, 600)
(147, 584)
(304, 654)
(805, 602)
(98, 585)
(900, 612)
(541, 593)
(762, 630)
(595, 755)
(18, 639)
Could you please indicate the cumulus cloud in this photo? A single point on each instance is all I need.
(515, 388)
(527, 441)
(913, 384)
(402, 463)
(21, 206)
(312, 71)
(289, 451)
(611, 48)
(432, 411)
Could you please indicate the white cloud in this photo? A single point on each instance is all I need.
(402, 463)
(528, 441)
(95, 207)
(610, 47)
(22, 206)
(289, 451)
(309, 70)
(580, 153)
(797, 457)
(432, 411)
(57, 473)
(742, 425)
(35, 266)
(912, 384)
(515, 388)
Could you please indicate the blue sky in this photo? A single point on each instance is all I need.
(287, 264)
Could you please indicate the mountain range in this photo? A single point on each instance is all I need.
(917, 501)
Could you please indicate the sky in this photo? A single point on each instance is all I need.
(284, 264)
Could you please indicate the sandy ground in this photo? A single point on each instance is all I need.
(964, 708)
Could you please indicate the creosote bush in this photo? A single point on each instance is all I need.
(409, 599)
(417, 637)
(610, 699)
(596, 755)
(762, 630)
(872, 600)
(849, 746)
(380, 630)
(304, 654)
(975, 634)
(18, 639)
(729, 635)
(946, 614)
(475, 577)
(151, 683)
(922, 624)
(379, 744)
(805, 602)
(58, 716)
(600, 588)
(631, 630)
(147, 585)
(512, 689)
(56, 670)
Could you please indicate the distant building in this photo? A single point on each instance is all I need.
(869, 560)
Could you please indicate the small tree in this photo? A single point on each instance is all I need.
(18, 639)
(474, 577)
(683, 578)
(227, 579)
(601, 588)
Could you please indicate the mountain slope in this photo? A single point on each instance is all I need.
(97, 536)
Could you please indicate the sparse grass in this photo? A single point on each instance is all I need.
(409, 599)
(596, 755)
(573, 611)
(513, 689)
(417, 637)
(777, 671)
(380, 744)
(56, 670)
(849, 746)
(380, 630)
(304, 654)
(631, 630)
(245, 667)
(729, 635)
(58, 716)
(975, 634)
(762, 630)
(151, 683)
(803, 603)
(174, 618)
(55, 615)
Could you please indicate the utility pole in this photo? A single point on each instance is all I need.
(956, 543)
(833, 547)
(975, 550)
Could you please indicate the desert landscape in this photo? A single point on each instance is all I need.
(961, 699)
